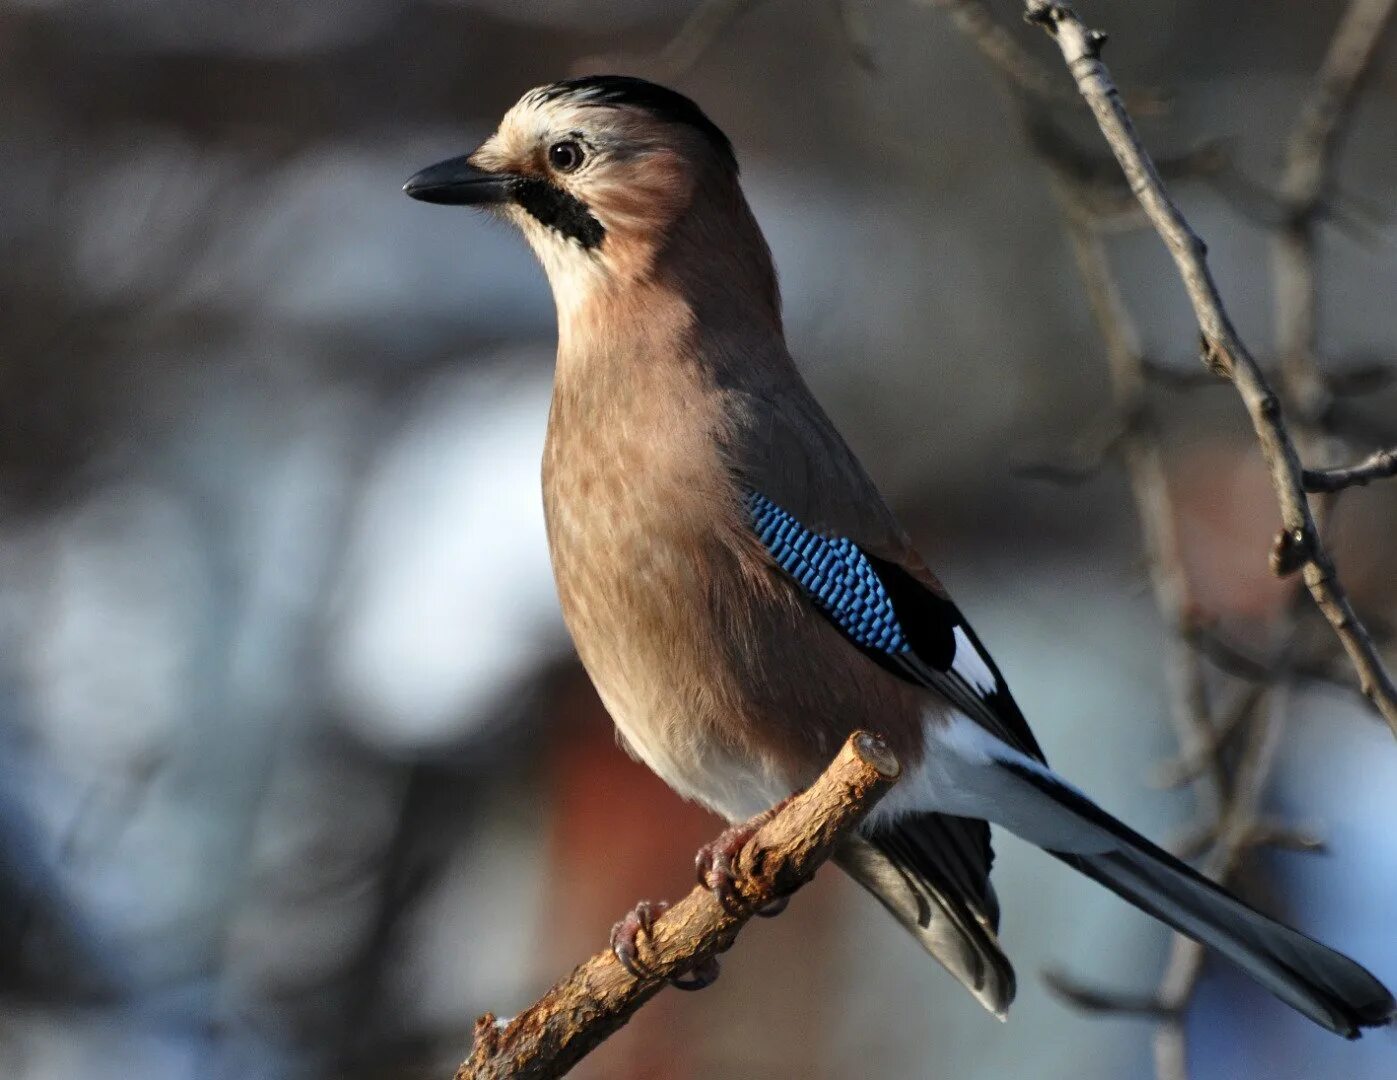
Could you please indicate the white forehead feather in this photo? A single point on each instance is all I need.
(536, 117)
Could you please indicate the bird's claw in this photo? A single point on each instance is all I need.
(624, 943)
(716, 864)
(639, 920)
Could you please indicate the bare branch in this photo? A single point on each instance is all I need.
(1092, 180)
(1179, 378)
(1191, 710)
(1284, 837)
(1205, 753)
(974, 19)
(1230, 787)
(1022, 71)
(1083, 461)
(600, 995)
(1227, 656)
(1361, 376)
(1223, 348)
(1099, 1000)
(699, 32)
(1326, 112)
(853, 27)
(1306, 187)
(1377, 466)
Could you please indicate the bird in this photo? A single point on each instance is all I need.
(739, 592)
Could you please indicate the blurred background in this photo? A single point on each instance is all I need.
(298, 772)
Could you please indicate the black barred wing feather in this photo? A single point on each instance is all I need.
(894, 619)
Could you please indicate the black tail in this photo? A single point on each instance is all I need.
(932, 872)
(1323, 984)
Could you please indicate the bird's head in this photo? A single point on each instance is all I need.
(603, 174)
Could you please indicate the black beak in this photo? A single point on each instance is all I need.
(456, 182)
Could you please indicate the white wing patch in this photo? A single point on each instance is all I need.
(962, 773)
(971, 666)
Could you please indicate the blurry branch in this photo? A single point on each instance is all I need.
(1227, 753)
(853, 27)
(1298, 545)
(973, 19)
(697, 35)
(710, 19)
(1205, 740)
(1305, 187)
(1239, 831)
(1191, 710)
(1021, 70)
(1086, 459)
(1094, 182)
(1359, 377)
(1379, 465)
(600, 995)
(1093, 999)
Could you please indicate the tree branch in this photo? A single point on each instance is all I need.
(1300, 546)
(1229, 788)
(600, 995)
(1377, 466)
(998, 46)
(1305, 186)
(701, 29)
(1020, 69)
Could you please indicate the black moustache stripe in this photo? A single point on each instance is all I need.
(552, 206)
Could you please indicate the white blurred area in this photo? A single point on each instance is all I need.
(448, 604)
(291, 736)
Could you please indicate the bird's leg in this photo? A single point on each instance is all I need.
(717, 860)
(639, 920)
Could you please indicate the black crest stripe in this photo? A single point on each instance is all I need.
(659, 101)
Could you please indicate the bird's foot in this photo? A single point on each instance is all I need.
(716, 864)
(639, 920)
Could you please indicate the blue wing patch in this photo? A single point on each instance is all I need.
(907, 629)
(834, 573)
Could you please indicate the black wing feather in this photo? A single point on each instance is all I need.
(908, 629)
(930, 622)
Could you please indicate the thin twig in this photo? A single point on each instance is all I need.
(1237, 837)
(1377, 466)
(1360, 377)
(1306, 183)
(1229, 825)
(1191, 709)
(1085, 460)
(700, 30)
(1019, 68)
(973, 19)
(1299, 544)
(600, 995)
(854, 31)
(1103, 1000)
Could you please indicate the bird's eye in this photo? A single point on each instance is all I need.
(565, 156)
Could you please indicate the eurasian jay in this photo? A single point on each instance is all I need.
(739, 592)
